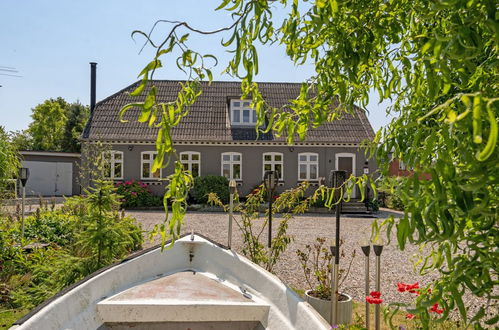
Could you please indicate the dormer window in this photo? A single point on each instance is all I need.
(241, 113)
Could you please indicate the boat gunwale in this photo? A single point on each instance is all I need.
(132, 256)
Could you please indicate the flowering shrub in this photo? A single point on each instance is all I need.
(136, 194)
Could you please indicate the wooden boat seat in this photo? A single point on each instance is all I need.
(182, 297)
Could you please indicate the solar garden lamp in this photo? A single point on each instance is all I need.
(366, 249)
(338, 178)
(23, 177)
(270, 181)
(232, 191)
(378, 248)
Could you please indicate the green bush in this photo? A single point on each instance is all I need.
(203, 185)
(50, 227)
(389, 187)
(137, 194)
(394, 202)
(374, 204)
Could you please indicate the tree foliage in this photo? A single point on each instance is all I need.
(57, 126)
(47, 127)
(9, 159)
(21, 140)
(77, 116)
(436, 61)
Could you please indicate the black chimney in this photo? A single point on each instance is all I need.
(93, 72)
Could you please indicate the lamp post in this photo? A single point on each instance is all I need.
(377, 251)
(232, 191)
(270, 180)
(366, 249)
(366, 172)
(23, 177)
(338, 178)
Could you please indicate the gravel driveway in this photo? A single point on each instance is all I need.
(396, 265)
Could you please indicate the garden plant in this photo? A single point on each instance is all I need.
(316, 263)
(62, 246)
(136, 194)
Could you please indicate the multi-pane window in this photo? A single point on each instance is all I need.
(273, 161)
(113, 165)
(308, 166)
(191, 161)
(146, 165)
(231, 165)
(241, 113)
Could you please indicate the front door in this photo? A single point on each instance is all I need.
(346, 162)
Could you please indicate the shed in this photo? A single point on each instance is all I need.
(52, 173)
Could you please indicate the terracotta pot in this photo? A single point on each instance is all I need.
(345, 307)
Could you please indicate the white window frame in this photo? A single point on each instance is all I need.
(273, 162)
(190, 161)
(240, 109)
(113, 161)
(308, 162)
(150, 161)
(231, 163)
(402, 165)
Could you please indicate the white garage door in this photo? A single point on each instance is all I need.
(49, 178)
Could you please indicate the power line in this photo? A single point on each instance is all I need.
(10, 75)
(9, 70)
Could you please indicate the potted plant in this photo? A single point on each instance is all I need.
(316, 262)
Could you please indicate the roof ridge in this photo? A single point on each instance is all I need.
(228, 81)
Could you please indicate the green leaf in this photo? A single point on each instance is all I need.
(126, 108)
(139, 89)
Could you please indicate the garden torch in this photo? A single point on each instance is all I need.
(366, 249)
(338, 178)
(270, 180)
(377, 251)
(232, 191)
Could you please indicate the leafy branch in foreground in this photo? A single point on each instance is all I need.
(436, 61)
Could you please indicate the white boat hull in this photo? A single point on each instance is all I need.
(153, 291)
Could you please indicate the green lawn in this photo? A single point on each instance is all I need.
(9, 316)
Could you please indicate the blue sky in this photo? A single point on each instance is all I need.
(50, 43)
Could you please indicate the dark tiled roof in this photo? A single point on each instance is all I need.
(208, 118)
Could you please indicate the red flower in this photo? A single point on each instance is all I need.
(402, 287)
(412, 287)
(409, 316)
(435, 309)
(128, 182)
(372, 300)
(375, 294)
